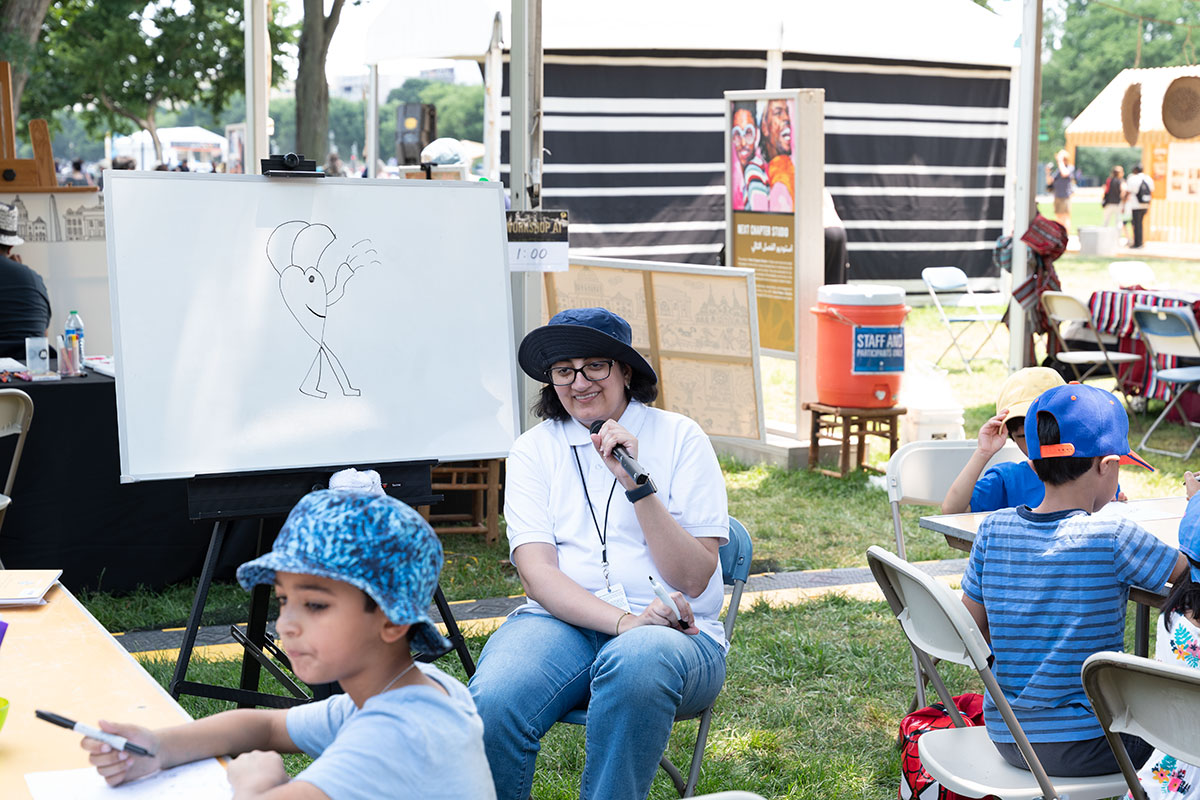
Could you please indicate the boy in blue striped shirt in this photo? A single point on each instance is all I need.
(1048, 586)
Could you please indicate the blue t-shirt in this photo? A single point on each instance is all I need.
(1007, 485)
(1054, 587)
(413, 741)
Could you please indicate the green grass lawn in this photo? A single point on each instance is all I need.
(815, 691)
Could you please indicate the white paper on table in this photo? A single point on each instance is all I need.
(11, 365)
(200, 779)
(1164, 508)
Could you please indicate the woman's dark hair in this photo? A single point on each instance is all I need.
(640, 388)
(1060, 470)
(77, 165)
(1183, 599)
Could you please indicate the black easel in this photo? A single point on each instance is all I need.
(269, 496)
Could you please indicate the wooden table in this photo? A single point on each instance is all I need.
(57, 657)
(1160, 516)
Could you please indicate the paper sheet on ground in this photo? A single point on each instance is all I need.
(200, 780)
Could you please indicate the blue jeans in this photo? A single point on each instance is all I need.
(536, 668)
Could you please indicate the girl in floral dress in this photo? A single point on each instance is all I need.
(1164, 777)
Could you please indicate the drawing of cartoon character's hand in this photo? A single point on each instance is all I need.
(362, 253)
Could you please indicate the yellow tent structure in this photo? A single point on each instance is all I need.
(1173, 163)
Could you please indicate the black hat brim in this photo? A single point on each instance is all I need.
(544, 346)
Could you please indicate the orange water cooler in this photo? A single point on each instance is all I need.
(860, 345)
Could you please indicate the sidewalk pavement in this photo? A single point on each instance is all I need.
(481, 617)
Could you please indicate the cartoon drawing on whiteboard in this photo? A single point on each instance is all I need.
(296, 250)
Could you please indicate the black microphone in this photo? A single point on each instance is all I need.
(635, 470)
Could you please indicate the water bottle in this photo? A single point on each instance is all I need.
(75, 325)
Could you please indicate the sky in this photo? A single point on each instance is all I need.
(349, 38)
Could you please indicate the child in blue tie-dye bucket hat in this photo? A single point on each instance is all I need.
(354, 572)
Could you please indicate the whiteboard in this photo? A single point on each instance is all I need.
(276, 323)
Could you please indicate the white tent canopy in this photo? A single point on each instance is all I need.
(177, 143)
(942, 31)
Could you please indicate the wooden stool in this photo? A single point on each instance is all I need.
(479, 477)
(844, 425)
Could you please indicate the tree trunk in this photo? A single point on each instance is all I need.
(22, 21)
(151, 127)
(312, 88)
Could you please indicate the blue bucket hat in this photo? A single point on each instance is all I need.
(370, 541)
(580, 333)
(1090, 423)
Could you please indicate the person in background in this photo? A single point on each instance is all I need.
(1009, 483)
(1164, 777)
(77, 177)
(837, 255)
(1062, 183)
(24, 301)
(1140, 187)
(1113, 199)
(334, 167)
(1048, 586)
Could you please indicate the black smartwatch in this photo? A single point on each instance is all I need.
(638, 492)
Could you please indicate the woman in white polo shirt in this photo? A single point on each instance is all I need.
(586, 540)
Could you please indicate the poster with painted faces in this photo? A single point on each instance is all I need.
(762, 176)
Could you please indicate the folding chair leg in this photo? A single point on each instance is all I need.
(1186, 422)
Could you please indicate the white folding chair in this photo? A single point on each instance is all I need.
(1127, 274)
(1061, 309)
(963, 759)
(1157, 702)
(1170, 332)
(921, 473)
(952, 280)
(16, 412)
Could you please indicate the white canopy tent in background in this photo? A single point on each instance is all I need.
(178, 144)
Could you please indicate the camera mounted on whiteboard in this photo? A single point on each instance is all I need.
(290, 165)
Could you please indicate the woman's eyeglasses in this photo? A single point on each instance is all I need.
(593, 371)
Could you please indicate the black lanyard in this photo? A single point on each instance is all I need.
(601, 534)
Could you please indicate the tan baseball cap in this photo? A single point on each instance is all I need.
(1023, 387)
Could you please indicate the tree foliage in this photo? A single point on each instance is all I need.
(459, 110)
(1090, 43)
(20, 23)
(117, 61)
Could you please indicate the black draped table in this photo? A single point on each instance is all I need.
(70, 511)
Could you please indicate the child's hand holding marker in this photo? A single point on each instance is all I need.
(120, 766)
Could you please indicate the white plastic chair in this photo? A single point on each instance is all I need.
(963, 759)
(1126, 274)
(1157, 702)
(953, 280)
(1170, 332)
(921, 473)
(1062, 308)
(16, 412)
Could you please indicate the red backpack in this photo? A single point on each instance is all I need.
(915, 782)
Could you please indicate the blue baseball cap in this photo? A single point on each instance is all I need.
(368, 540)
(580, 333)
(1090, 423)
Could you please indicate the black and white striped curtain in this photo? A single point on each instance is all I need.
(914, 154)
